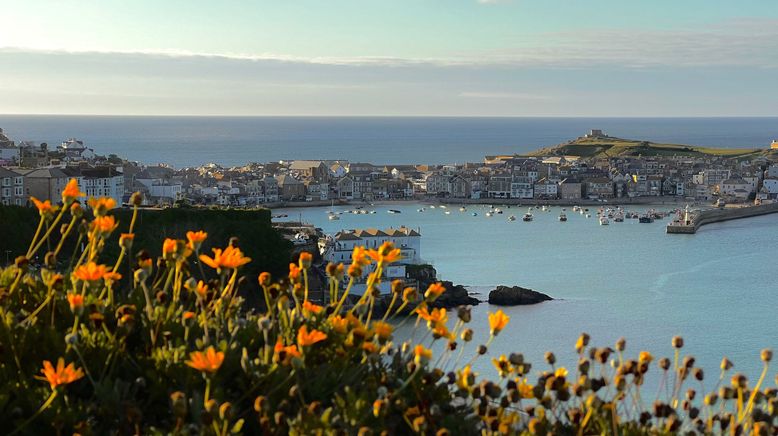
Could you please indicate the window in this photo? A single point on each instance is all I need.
(19, 181)
(19, 191)
(6, 181)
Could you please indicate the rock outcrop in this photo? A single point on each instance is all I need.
(516, 296)
(455, 295)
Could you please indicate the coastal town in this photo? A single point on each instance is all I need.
(549, 176)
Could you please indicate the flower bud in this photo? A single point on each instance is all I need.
(136, 199)
(677, 342)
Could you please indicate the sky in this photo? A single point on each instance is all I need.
(398, 57)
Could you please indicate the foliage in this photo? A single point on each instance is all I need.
(176, 352)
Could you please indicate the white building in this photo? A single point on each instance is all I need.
(103, 182)
(340, 247)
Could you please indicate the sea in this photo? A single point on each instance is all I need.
(717, 288)
(230, 141)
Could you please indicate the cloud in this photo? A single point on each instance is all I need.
(736, 43)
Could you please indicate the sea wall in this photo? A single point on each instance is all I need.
(718, 215)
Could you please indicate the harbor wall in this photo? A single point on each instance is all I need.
(718, 215)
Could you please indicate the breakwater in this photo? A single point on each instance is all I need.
(703, 217)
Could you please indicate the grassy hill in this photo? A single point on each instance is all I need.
(612, 147)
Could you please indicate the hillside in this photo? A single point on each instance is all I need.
(612, 147)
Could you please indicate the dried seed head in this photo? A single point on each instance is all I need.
(677, 342)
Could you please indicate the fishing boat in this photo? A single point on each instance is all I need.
(512, 218)
(488, 214)
(619, 217)
(604, 221)
(333, 217)
(420, 210)
(463, 209)
(646, 219)
(562, 217)
(527, 216)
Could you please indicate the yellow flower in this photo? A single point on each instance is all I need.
(383, 330)
(101, 206)
(196, 239)
(104, 225)
(435, 318)
(466, 378)
(386, 253)
(359, 257)
(503, 365)
(645, 357)
(422, 354)
(206, 361)
(497, 322)
(76, 301)
(90, 272)
(44, 207)
(526, 389)
(560, 372)
(62, 375)
(434, 291)
(305, 338)
(71, 192)
(231, 257)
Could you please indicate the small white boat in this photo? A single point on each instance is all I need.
(463, 209)
(448, 212)
(512, 218)
(527, 216)
(562, 217)
(488, 214)
(432, 206)
(442, 206)
(588, 215)
(604, 221)
(420, 210)
(333, 217)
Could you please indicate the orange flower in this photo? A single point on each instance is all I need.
(125, 240)
(71, 192)
(294, 273)
(359, 257)
(435, 318)
(44, 207)
(386, 253)
(434, 291)
(305, 259)
(422, 354)
(498, 321)
(188, 315)
(383, 330)
(284, 355)
(201, 289)
(264, 279)
(169, 247)
(60, 376)
(231, 257)
(312, 308)
(104, 225)
(339, 324)
(196, 239)
(90, 272)
(305, 338)
(76, 301)
(101, 206)
(112, 276)
(206, 361)
(466, 378)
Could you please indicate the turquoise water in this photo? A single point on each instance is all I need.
(717, 289)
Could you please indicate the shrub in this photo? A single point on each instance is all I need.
(176, 350)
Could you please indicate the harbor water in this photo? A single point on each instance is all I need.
(716, 288)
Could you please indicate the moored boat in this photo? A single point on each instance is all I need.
(562, 217)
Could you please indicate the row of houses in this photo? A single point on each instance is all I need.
(28, 169)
